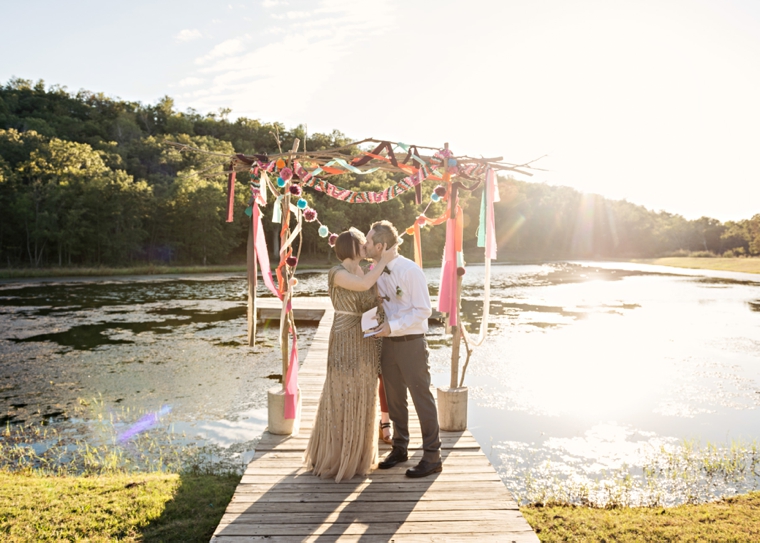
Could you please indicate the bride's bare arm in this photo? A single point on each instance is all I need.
(349, 281)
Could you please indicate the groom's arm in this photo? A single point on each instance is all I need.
(413, 317)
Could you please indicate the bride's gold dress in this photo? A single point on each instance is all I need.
(343, 441)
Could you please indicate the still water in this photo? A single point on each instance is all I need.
(588, 367)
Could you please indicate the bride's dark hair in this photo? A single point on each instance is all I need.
(348, 244)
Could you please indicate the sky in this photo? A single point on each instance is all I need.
(655, 102)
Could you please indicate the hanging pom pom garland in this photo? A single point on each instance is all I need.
(286, 174)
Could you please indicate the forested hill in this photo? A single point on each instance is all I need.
(87, 180)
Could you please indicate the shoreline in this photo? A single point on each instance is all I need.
(741, 265)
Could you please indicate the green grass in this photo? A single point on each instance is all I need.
(732, 519)
(134, 507)
(745, 265)
(187, 508)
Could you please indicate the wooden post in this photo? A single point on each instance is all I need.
(286, 296)
(278, 424)
(452, 401)
(456, 340)
(286, 277)
(455, 330)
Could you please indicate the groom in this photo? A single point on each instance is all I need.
(404, 357)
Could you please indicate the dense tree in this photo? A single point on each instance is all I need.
(90, 179)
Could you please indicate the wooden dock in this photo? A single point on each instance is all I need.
(277, 500)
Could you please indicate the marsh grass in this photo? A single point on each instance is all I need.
(690, 473)
(95, 446)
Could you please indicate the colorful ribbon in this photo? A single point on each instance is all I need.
(291, 381)
(260, 247)
(230, 192)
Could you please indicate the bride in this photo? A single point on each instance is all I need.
(343, 441)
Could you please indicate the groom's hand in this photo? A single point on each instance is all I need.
(385, 330)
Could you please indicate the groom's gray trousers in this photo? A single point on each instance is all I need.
(405, 366)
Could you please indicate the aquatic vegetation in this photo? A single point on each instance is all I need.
(687, 473)
(115, 441)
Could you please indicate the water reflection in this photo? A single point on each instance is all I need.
(581, 376)
(587, 368)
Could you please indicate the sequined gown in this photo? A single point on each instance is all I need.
(343, 440)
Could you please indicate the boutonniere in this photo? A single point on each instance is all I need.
(399, 292)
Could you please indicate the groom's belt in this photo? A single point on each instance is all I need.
(406, 338)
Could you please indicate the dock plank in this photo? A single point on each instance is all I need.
(278, 500)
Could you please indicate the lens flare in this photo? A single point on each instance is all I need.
(145, 423)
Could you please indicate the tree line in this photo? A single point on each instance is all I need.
(86, 179)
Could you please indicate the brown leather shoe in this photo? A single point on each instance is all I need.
(424, 468)
(394, 457)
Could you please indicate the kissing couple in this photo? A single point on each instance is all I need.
(343, 441)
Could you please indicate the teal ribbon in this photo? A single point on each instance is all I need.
(482, 222)
(277, 213)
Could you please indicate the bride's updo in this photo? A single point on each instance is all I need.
(349, 243)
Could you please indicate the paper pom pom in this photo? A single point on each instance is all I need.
(435, 197)
(421, 220)
(310, 215)
(452, 162)
(280, 182)
(295, 190)
(291, 261)
(287, 173)
(410, 230)
(323, 231)
(440, 190)
(460, 271)
(293, 282)
(446, 153)
(280, 164)
(332, 240)
(302, 204)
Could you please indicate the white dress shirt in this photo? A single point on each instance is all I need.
(407, 307)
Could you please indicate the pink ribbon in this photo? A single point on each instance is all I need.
(260, 246)
(291, 381)
(230, 193)
(447, 294)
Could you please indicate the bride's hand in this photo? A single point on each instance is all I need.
(388, 254)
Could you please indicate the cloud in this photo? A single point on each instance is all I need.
(190, 82)
(266, 4)
(224, 49)
(281, 75)
(188, 35)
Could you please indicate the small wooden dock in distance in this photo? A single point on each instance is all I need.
(277, 500)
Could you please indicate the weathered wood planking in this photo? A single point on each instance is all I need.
(278, 500)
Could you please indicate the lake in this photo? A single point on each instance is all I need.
(589, 368)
